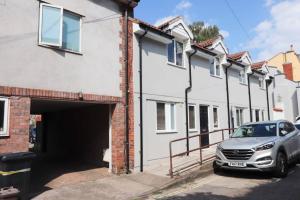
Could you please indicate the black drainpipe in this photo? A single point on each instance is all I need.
(126, 91)
(227, 93)
(141, 101)
(249, 94)
(268, 82)
(187, 103)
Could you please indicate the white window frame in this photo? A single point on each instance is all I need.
(168, 118)
(41, 23)
(192, 129)
(243, 77)
(240, 112)
(218, 118)
(61, 28)
(213, 70)
(175, 57)
(5, 132)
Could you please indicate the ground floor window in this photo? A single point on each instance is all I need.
(3, 117)
(192, 118)
(216, 117)
(263, 115)
(256, 115)
(239, 117)
(165, 116)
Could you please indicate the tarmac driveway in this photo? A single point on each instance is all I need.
(238, 186)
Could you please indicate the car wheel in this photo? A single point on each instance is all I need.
(281, 169)
(217, 168)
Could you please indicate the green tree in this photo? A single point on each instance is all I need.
(202, 32)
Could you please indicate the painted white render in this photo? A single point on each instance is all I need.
(165, 82)
(26, 64)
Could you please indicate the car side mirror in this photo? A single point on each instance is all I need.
(283, 133)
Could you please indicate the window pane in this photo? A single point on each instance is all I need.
(212, 70)
(257, 115)
(237, 118)
(215, 113)
(218, 73)
(171, 52)
(263, 115)
(161, 118)
(51, 25)
(192, 117)
(241, 117)
(179, 53)
(172, 116)
(71, 31)
(2, 106)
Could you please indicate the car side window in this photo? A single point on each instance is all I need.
(289, 127)
(283, 129)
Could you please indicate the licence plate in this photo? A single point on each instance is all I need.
(237, 164)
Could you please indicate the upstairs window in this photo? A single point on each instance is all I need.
(261, 83)
(175, 53)
(59, 28)
(3, 117)
(165, 117)
(215, 69)
(242, 77)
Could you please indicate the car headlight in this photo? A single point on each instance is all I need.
(266, 146)
(219, 147)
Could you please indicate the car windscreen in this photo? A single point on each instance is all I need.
(255, 130)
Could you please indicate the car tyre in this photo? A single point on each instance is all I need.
(281, 169)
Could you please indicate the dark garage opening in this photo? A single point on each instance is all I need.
(70, 140)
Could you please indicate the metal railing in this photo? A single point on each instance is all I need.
(200, 148)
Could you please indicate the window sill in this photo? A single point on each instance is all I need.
(245, 84)
(174, 65)
(166, 132)
(60, 49)
(262, 88)
(215, 76)
(193, 131)
(3, 135)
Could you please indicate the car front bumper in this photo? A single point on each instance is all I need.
(255, 163)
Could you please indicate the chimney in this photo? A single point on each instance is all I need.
(288, 71)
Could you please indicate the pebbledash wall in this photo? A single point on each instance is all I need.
(29, 70)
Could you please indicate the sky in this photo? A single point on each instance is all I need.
(262, 27)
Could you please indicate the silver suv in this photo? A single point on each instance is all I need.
(262, 146)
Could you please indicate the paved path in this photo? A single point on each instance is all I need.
(110, 188)
(238, 186)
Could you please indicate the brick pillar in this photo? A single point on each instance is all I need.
(18, 126)
(288, 70)
(118, 137)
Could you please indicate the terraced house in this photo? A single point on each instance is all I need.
(68, 63)
(183, 88)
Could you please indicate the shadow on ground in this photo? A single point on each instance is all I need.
(283, 189)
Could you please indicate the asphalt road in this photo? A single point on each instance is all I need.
(238, 186)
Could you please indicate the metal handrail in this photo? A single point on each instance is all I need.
(171, 171)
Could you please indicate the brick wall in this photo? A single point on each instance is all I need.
(118, 112)
(19, 115)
